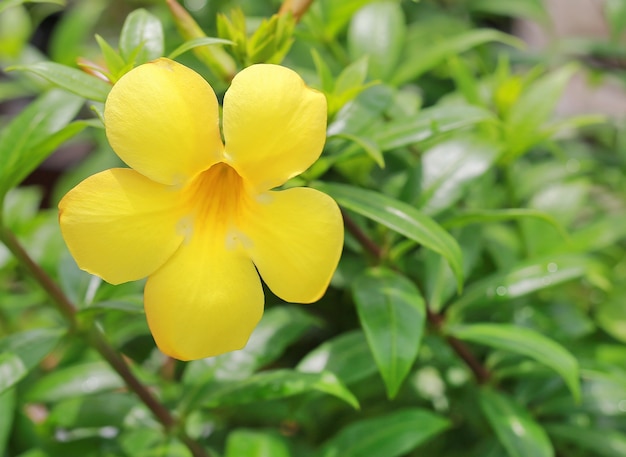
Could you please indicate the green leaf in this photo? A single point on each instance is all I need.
(5, 4)
(196, 42)
(255, 444)
(26, 140)
(450, 166)
(141, 31)
(392, 435)
(525, 278)
(70, 79)
(428, 123)
(369, 146)
(523, 125)
(615, 12)
(527, 342)
(502, 215)
(272, 385)
(377, 30)
(412, 66)
(399, 217)
(7, 412)
(530, 9)
(75, 381)
(347, 355)
(516, 430)
(600, 442)
(392, 313)
(279, 328)
(21, 352)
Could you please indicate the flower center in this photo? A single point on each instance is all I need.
(216, 199)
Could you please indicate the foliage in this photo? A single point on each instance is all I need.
(478, 308)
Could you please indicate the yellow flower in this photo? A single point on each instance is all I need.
(197, 216)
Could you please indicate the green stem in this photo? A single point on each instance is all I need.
(96, 339)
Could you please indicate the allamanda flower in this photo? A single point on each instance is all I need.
(198, 216)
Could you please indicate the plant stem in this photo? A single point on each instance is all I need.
(96, 339)
(437, 320)
(296, 7)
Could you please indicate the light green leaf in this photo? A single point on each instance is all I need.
(369, 146)
(516, 430)
(70, 79)
(142, 30)
(250, 443)
(615, 12)
(5, 4)
(377, 31)
(392, 435)
(272, 385)
(450, 166)
(600, 442)
(428, 123)
(195, 43)
(412, 66)
(392, 313)
(21, 352)
(75, 381)
(527, 342)
(399, 217)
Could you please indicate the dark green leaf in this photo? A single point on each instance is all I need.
(7, 412)
(250, 443)
(526, 342)
(347, 355)
(516, 430)
(70, 79)
(600, 442)
(21, 352)
(392, 435)
(141, 31)
(399, 217)
(392, 313)
(271, 385)
(530, 9)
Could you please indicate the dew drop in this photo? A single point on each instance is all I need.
(553, 267)
(501, 291)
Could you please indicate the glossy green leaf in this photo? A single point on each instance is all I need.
(142, 30)
(428, 123)
(366, 144)
(413, 66)
(196, 42)
(279, 328)
(347, 355)
(75, 381)
(450, 166)
(525, 278)
(255, 444)
(7, 412)
(600, 442)
(515, 428)
(399, 217)
(392, 435)
(272, 385)
(70, 79)
(22, 138)
(21, 352)
(527, 342)
(377, 30)
(392, 313)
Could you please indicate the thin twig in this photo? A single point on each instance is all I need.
(437, 320)
(296, 7)
(97, 340)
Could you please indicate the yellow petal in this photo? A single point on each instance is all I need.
(162, 119)
(296, 241)
(204, 301)
(119, 225)
(274, 125)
